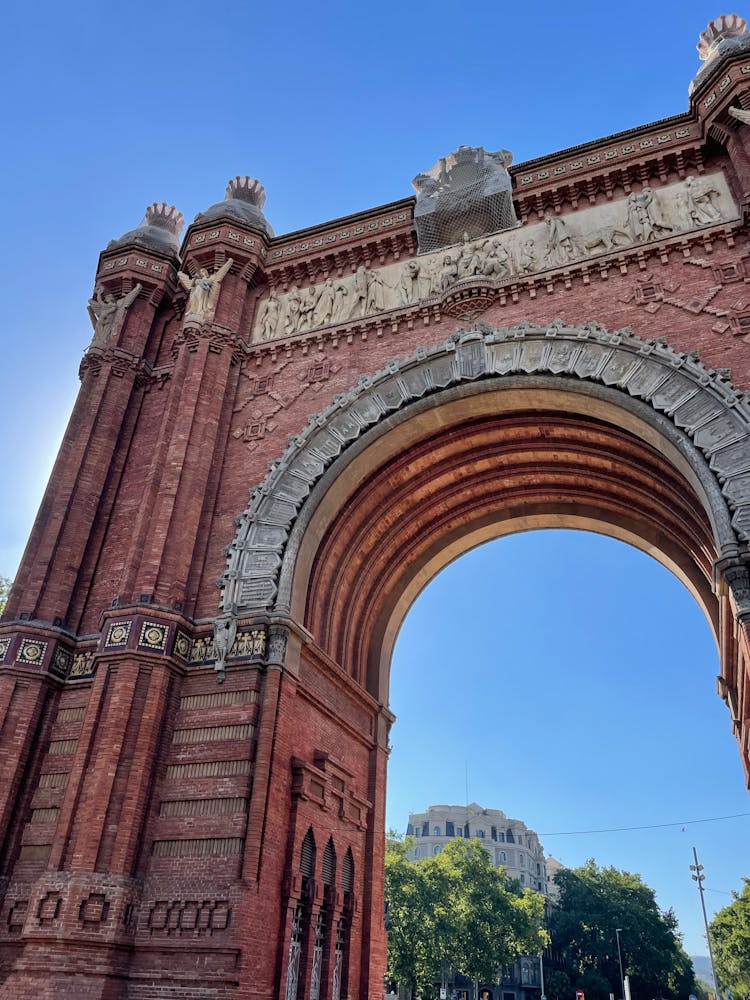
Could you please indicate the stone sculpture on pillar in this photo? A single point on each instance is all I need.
(225, 632)
(108, 312)
(203, 291)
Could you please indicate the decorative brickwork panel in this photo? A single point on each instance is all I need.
(216, 698)
(192, 918)
(71, 714)
(54, 779)
(202, 807)
(211, 847)
(209, 769)
(210, 734)
(44, 815)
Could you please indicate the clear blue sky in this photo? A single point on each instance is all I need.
(335, 107)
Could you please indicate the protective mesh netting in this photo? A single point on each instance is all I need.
(466, 194)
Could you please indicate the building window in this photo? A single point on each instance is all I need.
(409, 830)
(436, 831)
(425, 829)
(509, 836)
(480, 834)
(501, 856)
(417, 852)
(501, 837)
(539, 869)
(436, 849)
(522, 878)
(449, 829)
(493, 833)
(466, 831)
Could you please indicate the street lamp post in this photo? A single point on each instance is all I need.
(618, 931)
(698, 877)
(541, 975)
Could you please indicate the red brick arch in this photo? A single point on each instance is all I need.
(492, 432)
(495, 431)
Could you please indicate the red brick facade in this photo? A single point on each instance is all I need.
(164, 835)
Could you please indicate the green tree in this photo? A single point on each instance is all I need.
(730, 937)
(593, 903)
(558, 985)
(410, 921)
(4, 591)
(456, 909)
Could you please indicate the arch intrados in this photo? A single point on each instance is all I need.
(505, 395)
(332, 498)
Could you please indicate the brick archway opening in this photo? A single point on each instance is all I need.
(478, 465)
(492, 433)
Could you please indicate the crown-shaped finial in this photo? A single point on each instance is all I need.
(247, 189)
(165, 216)
(724, 26)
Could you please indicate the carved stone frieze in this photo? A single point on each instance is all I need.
(83, 665)
(643, 218)
(249, 643)
(700, 402)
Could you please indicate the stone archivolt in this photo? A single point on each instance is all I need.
(643, 218)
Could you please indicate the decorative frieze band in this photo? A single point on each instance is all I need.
(626, 150)
(54, 655)
(495, 261)
(383, 224)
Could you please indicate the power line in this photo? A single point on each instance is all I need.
(650, 826)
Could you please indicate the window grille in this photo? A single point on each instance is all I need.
(307, 855)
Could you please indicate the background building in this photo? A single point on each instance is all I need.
(510, 843)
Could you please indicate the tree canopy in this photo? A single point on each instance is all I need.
(730, 937)
(593, 903)
(456, 909)
(4, 591)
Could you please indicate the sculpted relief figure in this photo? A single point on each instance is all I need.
(644, 217)
(269, 316)
(604, 239)
(340, 296)
(560, 247)
(359, 294)
(469, 262)
(203, 291)
(409, 283)
(375, 292)
(449, 273)
(306, 309)
(324, 306)
(497, 262)
(699, 195)
(107, 313)
(293, 305)
(527, 258)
